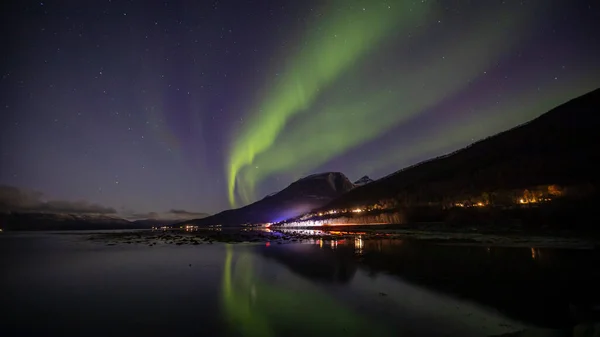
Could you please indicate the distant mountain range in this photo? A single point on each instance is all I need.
(61, 221)
(149, 223)
(298, 198)
(27, 221)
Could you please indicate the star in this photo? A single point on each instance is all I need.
(252, 93)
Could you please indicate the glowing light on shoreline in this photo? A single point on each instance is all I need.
(359, 244)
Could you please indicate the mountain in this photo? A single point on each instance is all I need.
(149, 223)
(298, 198)
(62, 221)
(559, 147)
(363, 181)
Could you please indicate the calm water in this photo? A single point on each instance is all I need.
(64, 285)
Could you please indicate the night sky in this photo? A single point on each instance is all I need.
(149, 106)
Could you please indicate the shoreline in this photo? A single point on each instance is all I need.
(312, 235)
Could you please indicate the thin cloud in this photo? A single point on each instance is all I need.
(185, 214)
(15, 199)
(173, 214)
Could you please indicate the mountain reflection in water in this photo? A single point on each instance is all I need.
(334, 298)
(532, 285)
(256, 307)
(324, 265)
(529, 284)
(65, 285)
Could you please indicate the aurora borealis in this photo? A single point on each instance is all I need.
(201, 106)
(330, 49)
(351, 109)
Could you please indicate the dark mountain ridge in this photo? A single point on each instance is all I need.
(298, 198)
(558, 147)
(149, 223)
(28, 221)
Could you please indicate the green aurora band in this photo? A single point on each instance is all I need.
(467, 129)
(347, 115)
(332, 46)
(345, 123)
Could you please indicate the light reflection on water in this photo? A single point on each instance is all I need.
(257, 306)
(62, 285)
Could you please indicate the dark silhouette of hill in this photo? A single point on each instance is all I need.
(62, 221)
(558, 147)
(298, 198)
(149, 223)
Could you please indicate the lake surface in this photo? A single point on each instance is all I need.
(65, 285)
